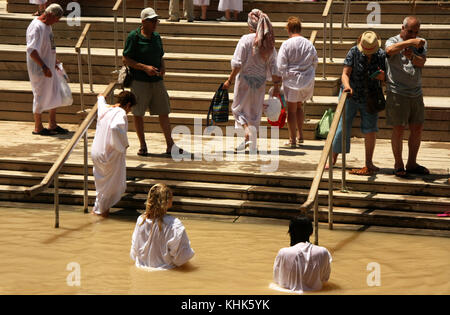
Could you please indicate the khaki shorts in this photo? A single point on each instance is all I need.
(404, 110)
(152, 96)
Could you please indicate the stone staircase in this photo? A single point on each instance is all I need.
(198, 59)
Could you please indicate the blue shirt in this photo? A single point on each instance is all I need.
(361, 70)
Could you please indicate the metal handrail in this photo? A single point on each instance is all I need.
(327, 153)
(327, 11)
(84, 35)
(53, 173)
(345, 17)
(116, 7)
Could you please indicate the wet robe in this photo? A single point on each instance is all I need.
(302, 267)
(153, 249)
(108, 155)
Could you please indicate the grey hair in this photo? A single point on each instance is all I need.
(55, 10)
(408, 18)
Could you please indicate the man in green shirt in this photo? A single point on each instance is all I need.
(143, 53)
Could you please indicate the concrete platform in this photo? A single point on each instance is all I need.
(21, 145)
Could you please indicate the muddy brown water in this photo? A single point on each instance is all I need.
(87, 255)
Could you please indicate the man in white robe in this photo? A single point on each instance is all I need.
(109, 151)
(303, 266)
(41, 64)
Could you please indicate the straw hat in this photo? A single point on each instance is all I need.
(369, 43)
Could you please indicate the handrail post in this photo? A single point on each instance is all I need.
(80, 76)
(85, 171)
(344, 149)
(124, 20)
(316, 220)
(89, 62)
(324, 46)
(56, 199)
(115, 41)
(331, 33)
(330, 189)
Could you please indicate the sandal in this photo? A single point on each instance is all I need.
(142, 151)
(400, 172)
(363, 171)
(290, 144)
(419, 170)
(59, 130)
(445, 214)
(169, 152)
(45, 132)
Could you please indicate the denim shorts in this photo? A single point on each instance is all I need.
(369, 123)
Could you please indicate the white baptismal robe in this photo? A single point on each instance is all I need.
(297, 62)
(250, 85)
(153, 249)
(302, 267)
(46, 91)
(108, 155)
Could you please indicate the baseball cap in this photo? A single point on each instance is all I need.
(148, 14)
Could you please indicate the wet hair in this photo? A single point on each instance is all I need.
(300, 229)
(158, 199)
(126, 97)
(55, 10)
(294, 25)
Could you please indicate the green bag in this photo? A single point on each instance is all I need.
(324, 125)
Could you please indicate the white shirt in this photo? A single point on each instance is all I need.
(302, 267)
(297, 61)
(154, 249)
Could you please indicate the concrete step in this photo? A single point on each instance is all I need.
(244, 208)
(392, 11)
(435, 79)
(16, 104)
(13, 29)
(369, 200)
(385, 184)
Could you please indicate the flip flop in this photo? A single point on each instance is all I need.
(365, 171)
(44, 132)
(59, 130)
(445, 214)
(400, 172)
(142, 152)
(169, 152)
(419, 170)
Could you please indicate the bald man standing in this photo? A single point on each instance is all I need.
(406, 56)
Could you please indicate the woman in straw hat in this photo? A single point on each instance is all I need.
(255, 56)
(363, 66)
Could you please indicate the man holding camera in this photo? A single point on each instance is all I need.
(406, 56)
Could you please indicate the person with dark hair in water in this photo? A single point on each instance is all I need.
(302, 266)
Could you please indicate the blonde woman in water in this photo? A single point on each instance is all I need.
(160, 240)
